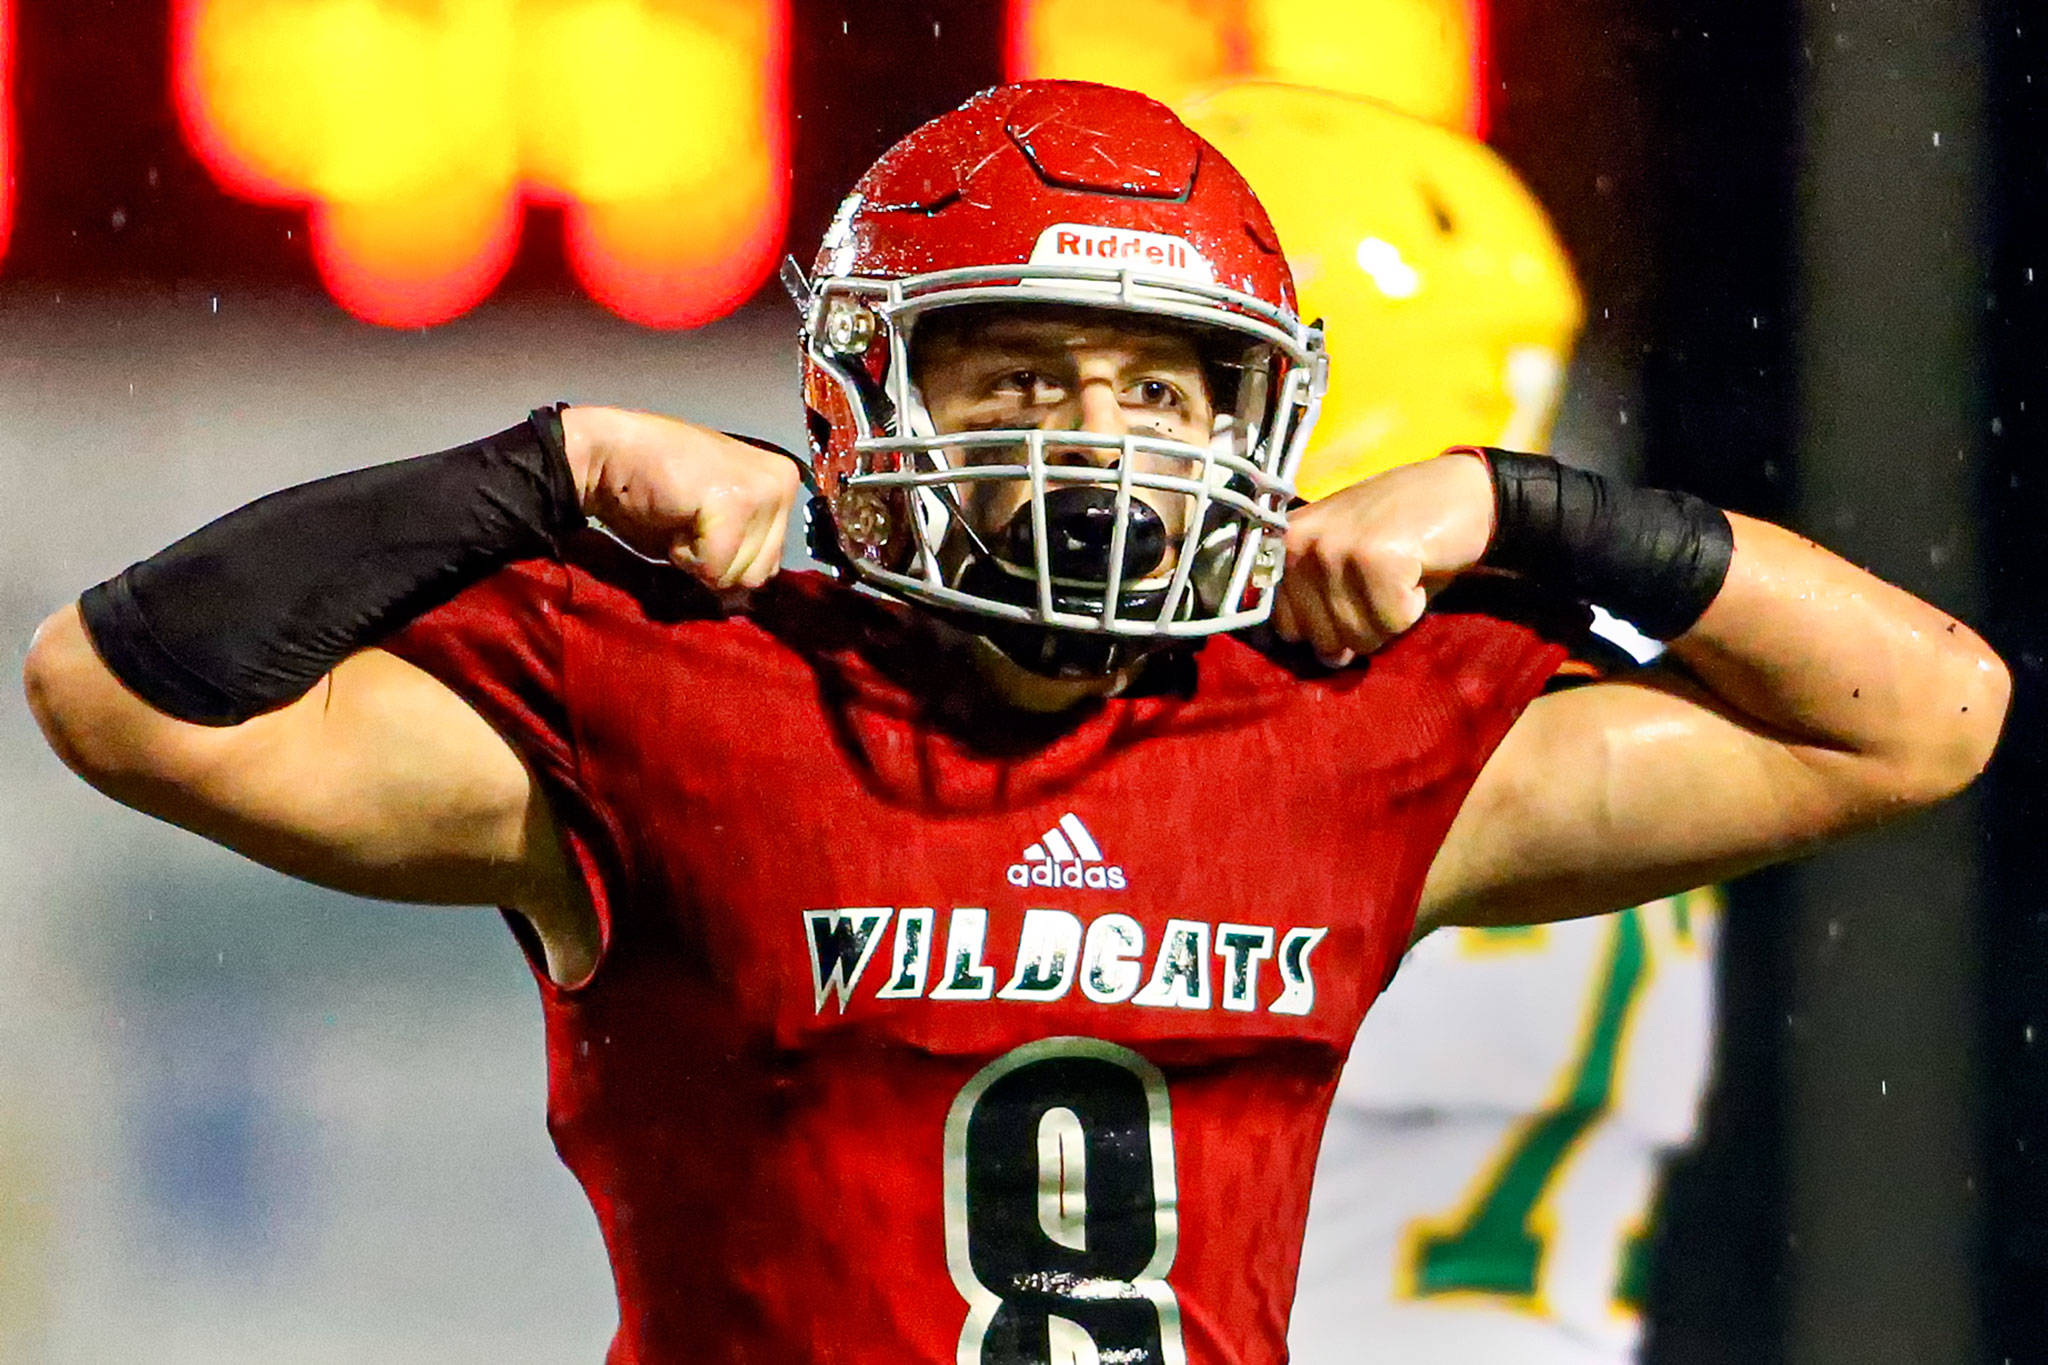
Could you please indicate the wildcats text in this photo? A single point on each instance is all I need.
(1196, 964)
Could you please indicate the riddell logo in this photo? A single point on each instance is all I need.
(1066, 855)
(1144, 253)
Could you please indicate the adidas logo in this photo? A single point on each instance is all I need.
(1066, 855)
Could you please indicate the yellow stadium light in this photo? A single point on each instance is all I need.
(1164, 48)
(665, 132)
(1450, 305)
(411, 132)
(1426, 57)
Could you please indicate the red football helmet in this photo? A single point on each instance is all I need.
(1076, 195)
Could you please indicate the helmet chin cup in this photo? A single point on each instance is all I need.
(1080, 525)
(1067, 655)
(1055, 651)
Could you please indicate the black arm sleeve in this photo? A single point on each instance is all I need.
(250, 611)
(1655, 558)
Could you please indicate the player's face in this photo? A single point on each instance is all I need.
(1067, 371)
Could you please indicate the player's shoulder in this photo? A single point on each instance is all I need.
(598, 594)
(602, 580)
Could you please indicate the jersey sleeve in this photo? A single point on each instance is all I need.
(499, 645)
(1500, 644)
(1485, 650)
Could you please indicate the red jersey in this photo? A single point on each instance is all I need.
(924, 1030)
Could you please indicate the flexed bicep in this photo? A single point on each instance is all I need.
(1611, 794)
(1806, 699)
(379, 781)
(223, 683)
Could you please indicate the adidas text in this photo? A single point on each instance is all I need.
(1097, 877)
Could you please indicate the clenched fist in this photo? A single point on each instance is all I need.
(1363, 563)
(711, 505)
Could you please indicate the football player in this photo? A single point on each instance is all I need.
(953, 960)
(1485, 1181)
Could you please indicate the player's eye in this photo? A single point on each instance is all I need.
(1027, 384)
(1160, 395)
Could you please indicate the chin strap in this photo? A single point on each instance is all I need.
(821, 537)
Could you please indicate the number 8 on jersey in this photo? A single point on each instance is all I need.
(1061, 1214)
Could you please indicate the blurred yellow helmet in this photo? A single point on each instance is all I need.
(1450, 307)
(1424, 56)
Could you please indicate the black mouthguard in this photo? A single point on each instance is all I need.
(1080, 527)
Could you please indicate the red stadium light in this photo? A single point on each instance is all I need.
(1424, 57)
(6, 122)
(412, 133)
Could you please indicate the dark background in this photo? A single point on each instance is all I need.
(2015, 501)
